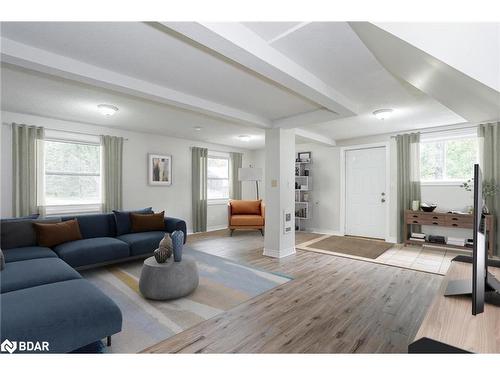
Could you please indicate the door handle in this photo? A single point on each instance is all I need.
(382, 200)
(382, 193)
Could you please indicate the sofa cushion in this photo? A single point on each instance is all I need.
(147, 222)
(50, 235)
(254, 220)
(68, 314)
(142, 243)
(122, 219)
(34, 272)
(95, 225)
(19, 232)
(92, 251)
(29, 252)
(239, 207)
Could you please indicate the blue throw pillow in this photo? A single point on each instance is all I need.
(122, 219)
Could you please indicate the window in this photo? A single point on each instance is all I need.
(72, 175)
(448, 159)
(218, 178)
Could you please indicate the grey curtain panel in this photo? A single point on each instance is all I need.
(112, 180)
(236, 160)
(408, 171)
(26, 173)
(489, 140)
(199, 162)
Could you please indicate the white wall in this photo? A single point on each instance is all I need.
(325, 193)
(174, 199)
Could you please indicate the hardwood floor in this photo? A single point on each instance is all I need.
(333, 305)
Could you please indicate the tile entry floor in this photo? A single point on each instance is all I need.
(422, 258)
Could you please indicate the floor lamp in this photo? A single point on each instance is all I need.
(251, 174)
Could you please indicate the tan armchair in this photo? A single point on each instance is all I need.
(246, 215)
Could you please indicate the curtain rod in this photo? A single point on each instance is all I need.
(438, 131)
(76, 132)
(63, 131)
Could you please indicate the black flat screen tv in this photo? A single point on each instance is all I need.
(483, 285)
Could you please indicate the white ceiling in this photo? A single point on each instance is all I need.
(38, 94)
(329, 55)
(141, 51)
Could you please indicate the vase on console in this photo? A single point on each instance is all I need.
(177, 243)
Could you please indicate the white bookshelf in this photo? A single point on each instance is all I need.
(303, 188)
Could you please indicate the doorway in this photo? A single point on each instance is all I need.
(366, 192)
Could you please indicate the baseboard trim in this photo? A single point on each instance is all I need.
(279, 253)
(216, 227)
(326, 231)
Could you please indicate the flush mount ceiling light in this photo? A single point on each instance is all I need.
(383, 114)
(197, 128)
(244, 138)
(107, 109)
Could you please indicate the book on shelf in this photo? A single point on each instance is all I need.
(418, 235)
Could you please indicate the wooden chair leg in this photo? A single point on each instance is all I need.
(231, 232)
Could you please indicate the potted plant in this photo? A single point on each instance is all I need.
(489, 190)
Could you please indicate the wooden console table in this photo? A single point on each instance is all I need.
(450, 327)
(442, 219)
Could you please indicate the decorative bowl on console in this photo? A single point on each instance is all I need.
(428, 207)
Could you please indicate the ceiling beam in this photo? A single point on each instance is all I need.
(50, 63)
(314, 137)
(239, 44)
(287, 32)
(305, 119)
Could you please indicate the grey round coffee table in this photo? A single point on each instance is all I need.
(169, 280)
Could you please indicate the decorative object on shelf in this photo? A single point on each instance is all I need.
(489, 190)
(160, 170)
(161, 255)
(303, 185)
(415, 205)
(304, 156)
(177, 242)
(428, 207)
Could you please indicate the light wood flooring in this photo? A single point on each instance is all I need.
(333, 304)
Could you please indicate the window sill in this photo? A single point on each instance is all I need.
(441, 183)
(217, 202)
(71, 209)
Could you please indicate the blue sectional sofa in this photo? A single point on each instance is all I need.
(44, 298)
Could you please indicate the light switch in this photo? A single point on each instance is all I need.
(274, 183)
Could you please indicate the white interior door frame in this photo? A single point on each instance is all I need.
(343, 151)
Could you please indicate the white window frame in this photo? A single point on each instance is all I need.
(225, 156)
(69, 209)
(458, 134)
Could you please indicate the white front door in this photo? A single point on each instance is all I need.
(365, 192)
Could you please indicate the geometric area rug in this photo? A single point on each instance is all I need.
(224, 284)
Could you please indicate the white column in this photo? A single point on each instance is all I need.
(280, 192)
